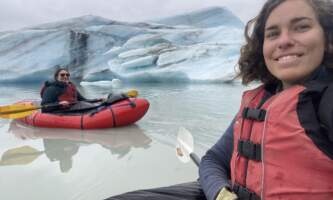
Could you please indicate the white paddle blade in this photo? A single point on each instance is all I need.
(181, 155)
(184, 146)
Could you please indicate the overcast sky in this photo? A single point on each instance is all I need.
(15, 14)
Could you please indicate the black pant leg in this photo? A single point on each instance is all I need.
(185, 191)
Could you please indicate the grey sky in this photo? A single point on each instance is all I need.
(15, 14)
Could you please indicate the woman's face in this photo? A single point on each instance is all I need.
(63, 76)
(294, 42)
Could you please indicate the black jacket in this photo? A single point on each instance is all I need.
(51, 92)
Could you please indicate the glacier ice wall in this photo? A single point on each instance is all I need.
(201, 46)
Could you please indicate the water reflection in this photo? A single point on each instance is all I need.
(20, 156)
(61, 150)
(60, 145)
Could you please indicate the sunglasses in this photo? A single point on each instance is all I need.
(65, 74)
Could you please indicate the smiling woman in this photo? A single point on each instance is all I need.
(280, 144)
(283, 134)
(63, 92)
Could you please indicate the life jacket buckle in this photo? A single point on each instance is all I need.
(244, 194)
(254, 114)
(249, 150)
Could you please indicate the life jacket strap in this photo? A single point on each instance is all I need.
(249, 150)
(254, 114)
(244, 194)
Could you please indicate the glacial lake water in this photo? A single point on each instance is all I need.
(66, 164)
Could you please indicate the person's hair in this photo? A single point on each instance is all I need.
(251, 63)
(58, 70)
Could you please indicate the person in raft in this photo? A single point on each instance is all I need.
(63, 92)
(280, 144)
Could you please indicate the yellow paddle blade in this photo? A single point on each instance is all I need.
(132, 93)
(17, 110)
(20, 156)
(17, 115)
(13, 107)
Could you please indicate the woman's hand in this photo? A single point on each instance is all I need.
(64, 104)
(225, 194)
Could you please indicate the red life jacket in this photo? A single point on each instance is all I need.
(273, 157)
(69, 95)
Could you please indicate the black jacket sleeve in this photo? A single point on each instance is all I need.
(50, 96)
(214, 170)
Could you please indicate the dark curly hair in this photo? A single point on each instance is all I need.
(251, 63)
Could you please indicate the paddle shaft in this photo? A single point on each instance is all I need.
(10, 110)
(195, 158)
